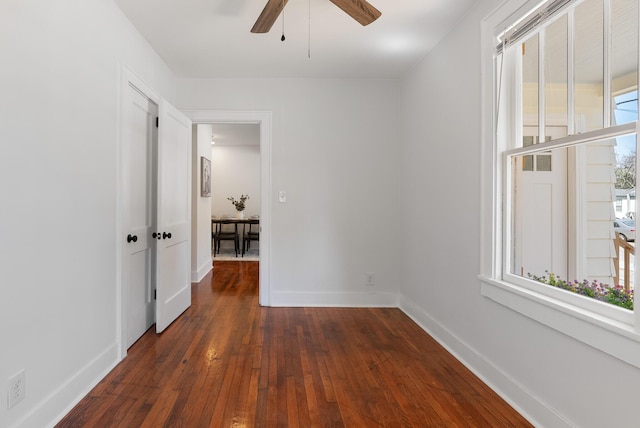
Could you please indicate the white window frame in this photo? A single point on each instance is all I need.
(611, 330)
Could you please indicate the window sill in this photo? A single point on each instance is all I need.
(615, 338)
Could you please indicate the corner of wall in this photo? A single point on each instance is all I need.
(531, 407)
(198, 274)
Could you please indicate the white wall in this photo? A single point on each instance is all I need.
(235, 171)
(363, 196)
(334, 151)
(554, 380)
(201, 262)
(58, 168)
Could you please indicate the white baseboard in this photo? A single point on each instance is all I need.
(527, 404)
(348, 300)
(203, 270)
(56, 405)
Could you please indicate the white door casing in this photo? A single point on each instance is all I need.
(173, 257)
(264, 119)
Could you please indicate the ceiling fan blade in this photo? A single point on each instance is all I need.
(360, 10)
(268, 16)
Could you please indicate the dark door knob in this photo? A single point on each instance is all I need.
(166, 235)
(132, 238)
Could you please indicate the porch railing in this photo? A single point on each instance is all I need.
(629, 250)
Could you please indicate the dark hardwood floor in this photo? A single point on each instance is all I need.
(227, 362)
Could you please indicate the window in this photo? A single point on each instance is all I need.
(563, 145)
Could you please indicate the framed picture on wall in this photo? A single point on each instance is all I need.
(205, 170)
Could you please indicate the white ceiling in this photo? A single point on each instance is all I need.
(212, 38)
(236, 134)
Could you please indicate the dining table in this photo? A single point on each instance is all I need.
(244, 221)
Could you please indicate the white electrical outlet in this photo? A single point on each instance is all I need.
(370, 279)
(16, 390)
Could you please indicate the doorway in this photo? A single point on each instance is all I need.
(263, 120)
(235, 173)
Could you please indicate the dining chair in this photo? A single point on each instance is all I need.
(250, 235)
(226, 231)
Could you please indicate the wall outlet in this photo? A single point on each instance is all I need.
(370, 279)
(16, 390)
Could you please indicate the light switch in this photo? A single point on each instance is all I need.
(282, 196)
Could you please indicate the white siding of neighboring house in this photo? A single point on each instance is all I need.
(625, 204)
(600, 192)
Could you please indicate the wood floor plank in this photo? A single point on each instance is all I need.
(161, 408)
(228, 362)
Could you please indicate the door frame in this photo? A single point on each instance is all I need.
(127, 78)
(264, 120)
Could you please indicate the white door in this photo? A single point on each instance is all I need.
(173, 258)
(138, 142)
(541, 233)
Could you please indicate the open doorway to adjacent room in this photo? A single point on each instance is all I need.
(235, 184)
(240, 165)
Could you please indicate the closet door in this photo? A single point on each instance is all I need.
(138, 195)
(173, 219)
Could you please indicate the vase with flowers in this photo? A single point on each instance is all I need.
(239, 204)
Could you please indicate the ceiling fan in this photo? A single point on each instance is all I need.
(360, 10)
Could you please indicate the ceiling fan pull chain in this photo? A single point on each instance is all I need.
(283, 37)
(309, 36)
